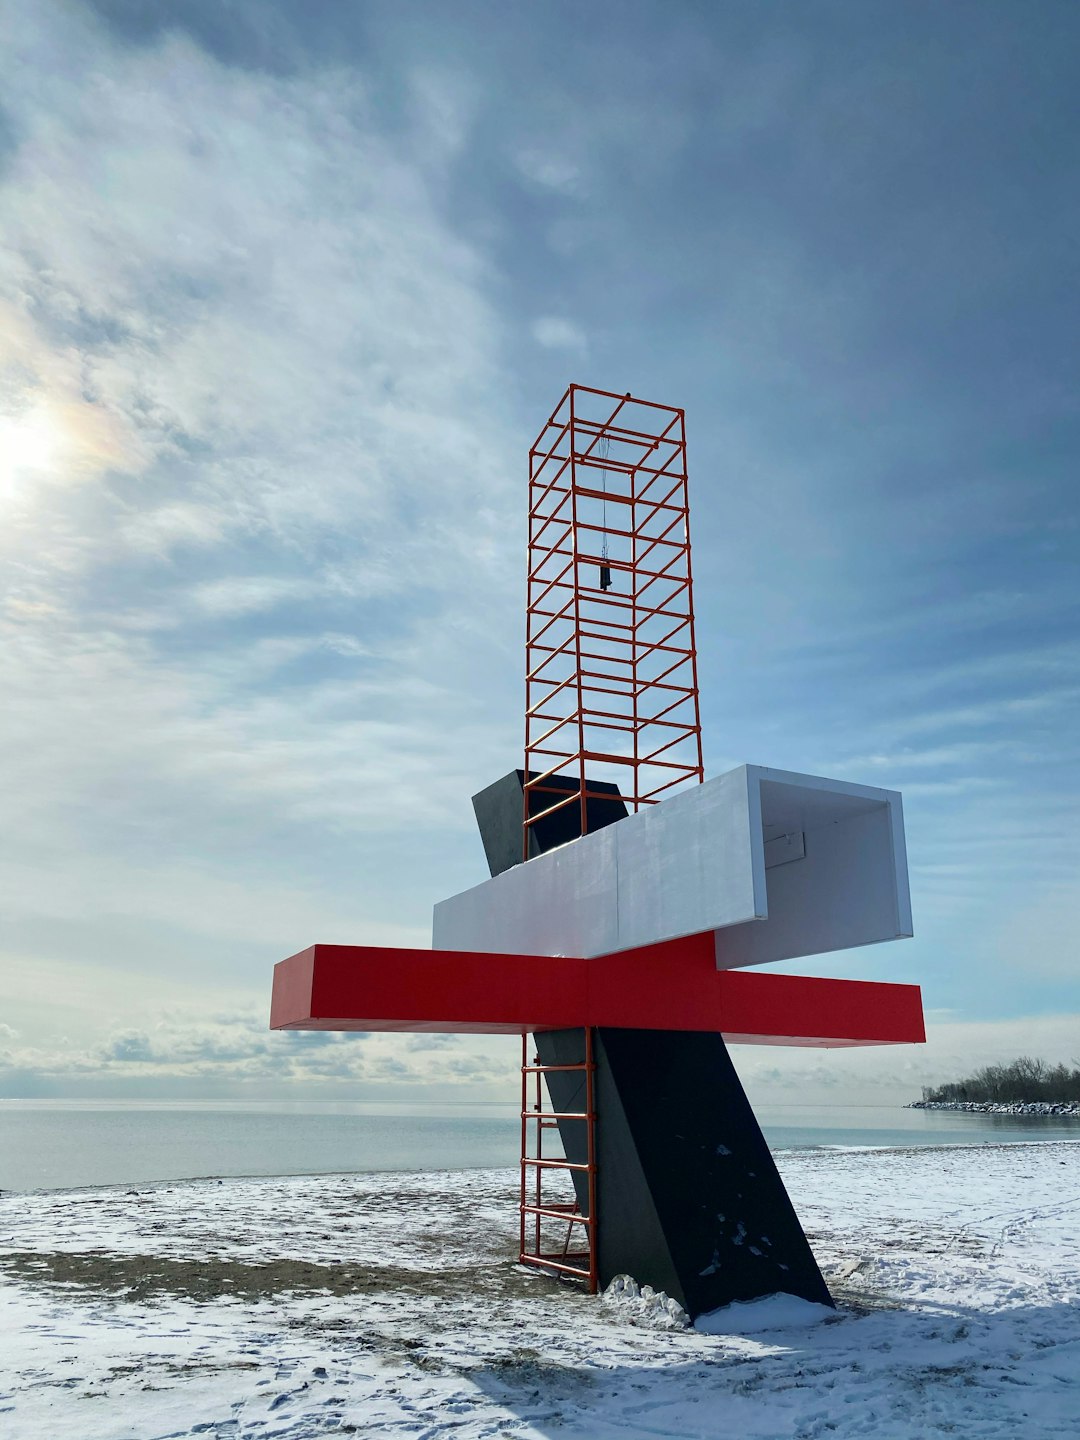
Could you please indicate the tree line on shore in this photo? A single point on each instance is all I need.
(1024, 1079)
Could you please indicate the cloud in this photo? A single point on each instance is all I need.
(425, 1041)
(896, 1074)
(175, 524)
(268, 304)
(185, 1045)
(51, 431)
(252, 594)
(556, 334)
(550, 170)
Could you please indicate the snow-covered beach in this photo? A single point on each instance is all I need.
(391, 1305)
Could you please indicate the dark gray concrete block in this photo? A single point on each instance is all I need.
(500, 812)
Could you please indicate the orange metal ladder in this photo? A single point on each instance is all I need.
(574, 1263)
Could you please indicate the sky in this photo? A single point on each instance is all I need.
(287, 287)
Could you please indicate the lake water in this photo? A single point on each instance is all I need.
(54, 1145)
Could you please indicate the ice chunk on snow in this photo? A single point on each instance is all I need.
(642, 1305)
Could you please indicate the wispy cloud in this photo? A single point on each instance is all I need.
(231, 1052)
(556, 333)
(955, 1048)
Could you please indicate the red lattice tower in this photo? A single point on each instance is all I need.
(611, 683)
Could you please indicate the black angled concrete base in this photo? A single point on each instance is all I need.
(688, 1197)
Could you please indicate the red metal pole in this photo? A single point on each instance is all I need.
(590, 1125)
(524, 1138)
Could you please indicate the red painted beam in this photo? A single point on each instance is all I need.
(368, 987)
(673, 986)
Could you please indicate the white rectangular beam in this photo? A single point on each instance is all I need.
(698, 862)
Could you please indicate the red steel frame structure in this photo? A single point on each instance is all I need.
(610, 659)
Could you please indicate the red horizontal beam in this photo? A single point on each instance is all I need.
(673, 986)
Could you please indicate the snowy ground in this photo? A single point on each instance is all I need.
(391, 1305)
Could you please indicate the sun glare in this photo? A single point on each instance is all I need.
(28, 445)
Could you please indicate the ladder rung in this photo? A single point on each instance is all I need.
(553, 1164)
(557, 1214)
(557, 1115)
(542, 1261)
(551, 1069)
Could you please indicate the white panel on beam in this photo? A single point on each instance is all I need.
(678, 868)
(697, 862)
(849, 889)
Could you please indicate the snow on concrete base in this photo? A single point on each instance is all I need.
(391, 1305)
(763, 1317)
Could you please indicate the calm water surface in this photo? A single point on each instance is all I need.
(56, 1144)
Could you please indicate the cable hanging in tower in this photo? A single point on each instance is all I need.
(605, 568)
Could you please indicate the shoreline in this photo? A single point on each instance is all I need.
(138, 1188)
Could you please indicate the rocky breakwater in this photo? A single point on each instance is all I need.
(1070, 1109)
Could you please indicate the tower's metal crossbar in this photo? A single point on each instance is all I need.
(610, 659)
(541, 1217)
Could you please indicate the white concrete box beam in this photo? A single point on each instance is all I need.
(780, 865)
